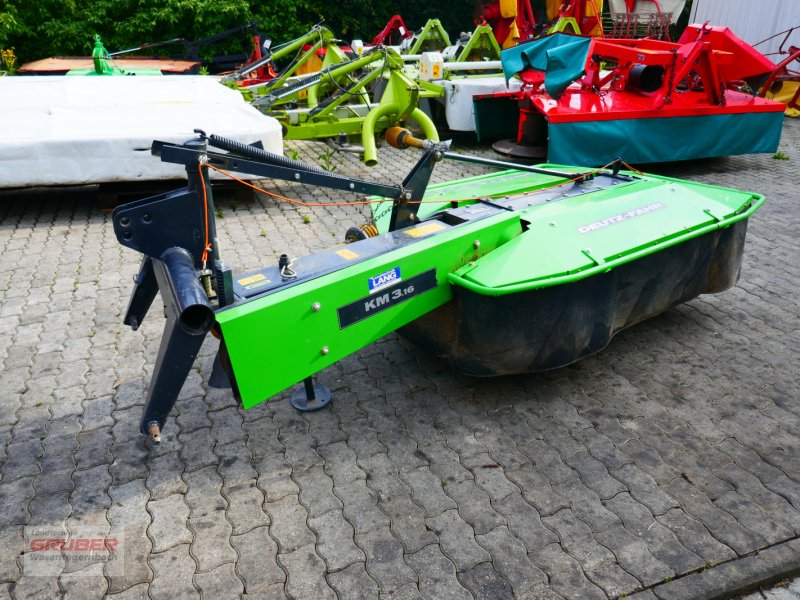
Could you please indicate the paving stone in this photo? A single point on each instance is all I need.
(751, 516)
(262, 438)
(409, 591)
(360, 506)
(385, 561)
(220, 583)
(14, 498)
(203, 491)
(335, 540)
(257, 562)
(353, 582)
(445, 463)
(720, 523)
(36, 588)
(662, 543)
(537, 490)
(510, 559)
(211, 541)
(586, 505)
(11, 541)
(594, 475)
(129, 522)
(437, 574)
(407, 522)
(695, 537)
(403, 451)
(525, 523)
(245, 510)
(173, 571)
(128, 462)
(427, 491)
(316, 491)
(502, 450)
(168, 527)
(274, 591)
(305, 574)
(274, 478)
(164, 478)
(645, 489)
(787, 488)
(474, 506)
(83, 584)
(234, 463)
(50, 511)
(383, 477)
(748, 459)
(193, 415)
(340, 463)
(289, 523)
(565, 574)
(490, 476)
(22, 459)
(751, 488)
(484, 582)
(362, 438)
(197, 449)
(599, 564)
(457, 540)
(633, 556)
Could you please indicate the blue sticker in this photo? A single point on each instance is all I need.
(384, 280)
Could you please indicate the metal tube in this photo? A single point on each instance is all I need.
(368, 131)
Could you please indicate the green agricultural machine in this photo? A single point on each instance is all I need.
(518, 271)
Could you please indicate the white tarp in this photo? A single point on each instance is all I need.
(648, 6)
(77, 130)
(753, 21)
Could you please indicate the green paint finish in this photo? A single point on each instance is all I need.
(278, 340)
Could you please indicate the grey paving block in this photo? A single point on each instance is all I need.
(457, 540)
(173, 571)
(168, 527)
(245, 510)
(129, 522)
(262, 437)
(510, 559)
(211, 545)
(353, 582)
(335, 541)
(565, 574)
(537, 490)
(257, 563)
(203, 491)
(586, 505)
(437, 574)
(274, 478)
(289, 523)
(220, 583)
(305, 571)
(341, 463)
(474, 506)
(164, 477)
(83, 584)
(427, 491)
(385, 559)
(361, 506)
(484, 582)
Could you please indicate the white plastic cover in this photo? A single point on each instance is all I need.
(458, 98)
(79, 130)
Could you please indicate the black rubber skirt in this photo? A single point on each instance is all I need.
(551, 327)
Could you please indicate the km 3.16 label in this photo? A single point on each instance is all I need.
(388, 297)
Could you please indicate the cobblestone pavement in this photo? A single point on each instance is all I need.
(666, 466)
